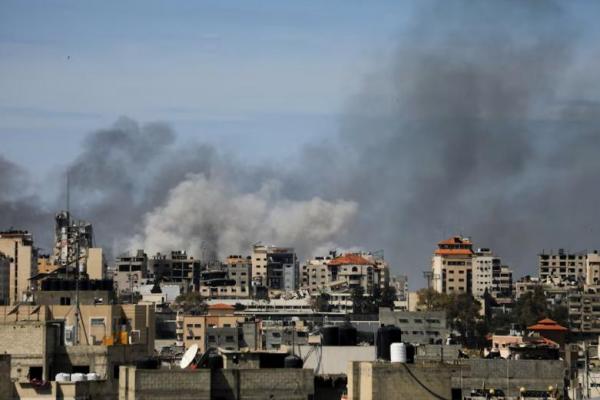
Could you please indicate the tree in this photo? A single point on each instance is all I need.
(321, 302)
(388, 296)
(432, 300)
(191, 302)
(462, 311)
(530, 308)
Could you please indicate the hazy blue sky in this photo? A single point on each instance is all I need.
(247, 74)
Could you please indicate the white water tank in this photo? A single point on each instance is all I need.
(78, 377)
(398, 353)
(62, 377)
(92, 376)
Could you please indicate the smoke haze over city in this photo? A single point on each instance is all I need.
(481, 119)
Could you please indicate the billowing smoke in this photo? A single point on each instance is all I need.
(213, 218)
(471, 127)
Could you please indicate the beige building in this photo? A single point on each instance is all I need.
(344, 272)
(41, 339)
(562, 267)
(205, 330)
(592, 269)
(96, 268)
(18, 247)
(452, 266)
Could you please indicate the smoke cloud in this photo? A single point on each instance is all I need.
(468, 128)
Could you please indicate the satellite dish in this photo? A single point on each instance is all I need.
(189, 356)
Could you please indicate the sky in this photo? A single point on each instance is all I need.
(332, 122)
(256, 75)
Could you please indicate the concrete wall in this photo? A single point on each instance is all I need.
(234, 384)
(333, 360)
(379, 380)
(511, 374)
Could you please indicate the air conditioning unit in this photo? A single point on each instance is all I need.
(69, 335)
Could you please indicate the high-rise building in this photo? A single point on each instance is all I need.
(129, 272)
(486, 266)
(176, 267)
(452, 266)
(592, 269)
(18, 247)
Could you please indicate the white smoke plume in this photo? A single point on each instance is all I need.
(211, 218)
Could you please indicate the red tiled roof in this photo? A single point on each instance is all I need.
(453, 252)
(455, 240)
(350, 259)
(546, 324)
(220, 306)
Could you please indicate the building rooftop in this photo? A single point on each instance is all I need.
(546, 324)
(350, 259)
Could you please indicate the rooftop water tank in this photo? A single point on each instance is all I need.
(78, 377)
(398, 353)
(386, 335)
(293, 361)
(347, 335)
(62, 377)
(330, 336)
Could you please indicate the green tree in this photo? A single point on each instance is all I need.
(463, 313)
(388, 296)
(321, 302)
(530, 308)
(191, 302)
(432, 300)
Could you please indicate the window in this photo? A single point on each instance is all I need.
(418, 321)
(402, 321)
(197, 325)
(229, 339)
(97, 321)
(226, 325)
(211, 338)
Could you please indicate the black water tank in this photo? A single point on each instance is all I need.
(410, 353)
(293, 361)
(330, 336)
(215, 361)
(386, 335)
(347, 335)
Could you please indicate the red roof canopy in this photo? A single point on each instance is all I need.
(350, 259)
(546, 324)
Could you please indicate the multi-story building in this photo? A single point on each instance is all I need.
(17, 246)
(584, 311)
(592, 268)
(226, 281)
(452, 266)
(334, 273)
(400, 283)
(177, 267)
(275, 267)
(219, 327)
(129, 272)
(74, 247)
(562, 267)
(503, 283)
(524, 285)
(485, 267)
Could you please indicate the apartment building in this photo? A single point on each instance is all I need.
(42, 340)
(486, 267)
(17, 246)
(74, 240)
(228, 280)
(592, 268)
(175, 266)
(584, 311)
(315, 274)
(400, 283)
(562, 267)
(452, 266)
(275, 267)
(129, 272)
(219, 327)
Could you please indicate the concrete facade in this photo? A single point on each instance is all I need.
(561, 267)
(18, 247)
(451, 266)
(224, 384)
(379, 380)
(418, 327)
